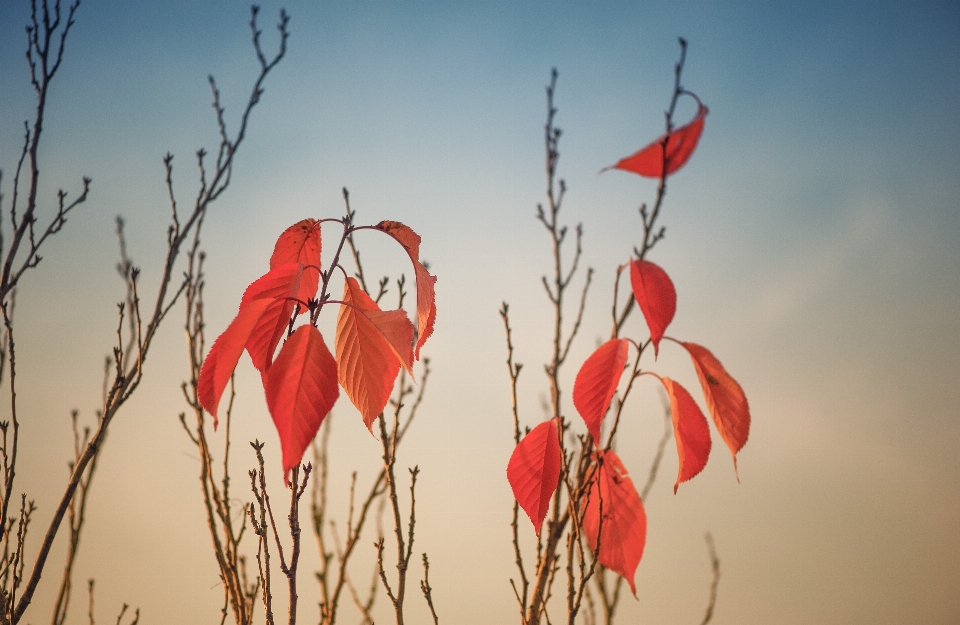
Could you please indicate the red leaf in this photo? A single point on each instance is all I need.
(426, 299)
(690, 430)
(656, 297)
(725, 399)
(534, 471)
(368, 362)
(397, 329)
(623, 531)
(222, 358)
(597, 381)
(282, 284)
(680, 145)
(276, 283)
(300, 243)
(301, 388)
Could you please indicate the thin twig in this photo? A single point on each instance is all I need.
(715, 565)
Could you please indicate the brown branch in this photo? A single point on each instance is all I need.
(427, 590)
(127, 380)
(715, 565)
(652, 235)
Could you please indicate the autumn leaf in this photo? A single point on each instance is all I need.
(680, 143)
(301, 388)
(281, 284)
(654, 292)
(534, 471)
(368, 362)
(623, 530)
(300, 243)
(426, 299)
(690, 430)
(597, 381)
(726, 401)
(223, 356)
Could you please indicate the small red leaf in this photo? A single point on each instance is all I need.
(726, 401)
(623, 530)
(301, 388)
(367, 362)
(426, 299)
(690, 430)
(534, 471)
(656, 297)
(681, 143)
(597, 381)
(300, 243)
(223, 356)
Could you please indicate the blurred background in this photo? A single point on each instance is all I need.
(813, 238)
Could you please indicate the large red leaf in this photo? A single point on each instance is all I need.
(223, 356)
(300, 243)
(281, 283)
(680, 143)
(534, 471)
(690, 430)
(725, 399)
(426, 299)
(367, 362)
(301, 388)
(656, 297)
(597, 381)
(623, 530)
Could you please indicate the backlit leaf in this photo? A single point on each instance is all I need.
(726, 401)
(597, 381)
(278, 282)
(656, 297)
(534, 471)
(690, 430)
(426, 299)
(300, 243)
(301, 388)
(367, 362)
(680, 143)
(281, 283)
(623, 529)
(223, 356)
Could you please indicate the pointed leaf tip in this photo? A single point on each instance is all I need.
(690, 431)
(597, 381)
(622, 533)
(656, 296)
(725, 398)
(534, 471)
(680, 144)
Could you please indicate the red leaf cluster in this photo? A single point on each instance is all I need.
(301, 385)
(613, 517)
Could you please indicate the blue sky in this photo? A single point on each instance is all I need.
(813, 239)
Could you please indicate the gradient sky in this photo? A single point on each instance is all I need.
(814, 240)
